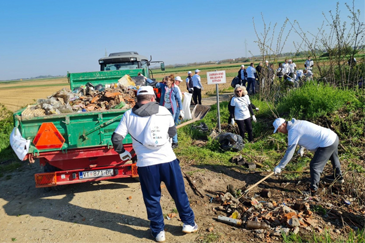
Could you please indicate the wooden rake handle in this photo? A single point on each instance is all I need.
(254, 185)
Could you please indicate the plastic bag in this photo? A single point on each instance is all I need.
(99, 87)
(126, 81)
(231, 141)
(19, 144)
(139, 81)
(186, 106)
(235, 81)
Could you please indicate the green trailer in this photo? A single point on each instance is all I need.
(77, 147)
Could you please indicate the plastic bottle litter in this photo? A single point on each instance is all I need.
(227, 220)
(256, 225)
(119, 106)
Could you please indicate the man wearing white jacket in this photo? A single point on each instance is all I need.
(150, 127)
(314, 138)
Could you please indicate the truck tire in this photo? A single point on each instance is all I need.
(50, 168)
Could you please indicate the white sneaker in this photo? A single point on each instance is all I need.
(161, 236)
(190, 229)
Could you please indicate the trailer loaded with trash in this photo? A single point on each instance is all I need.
(70, 131)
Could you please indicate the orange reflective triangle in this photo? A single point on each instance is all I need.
(48, 137)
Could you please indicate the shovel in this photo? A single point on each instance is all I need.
(254, 185)
(199, 113)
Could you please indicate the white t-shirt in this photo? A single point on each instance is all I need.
(178, 88)
(281, 71)
(285, 68)
(310, 136)
(135, 125)
(308, 64)
(250, 72)
(292, 67)
(167, 103)
(241, 111)
(309, 74)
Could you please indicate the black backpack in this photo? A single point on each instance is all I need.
(235, 81)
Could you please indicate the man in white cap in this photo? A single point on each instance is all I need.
(314, 138)
(198, 87)
(178, 80)
(156, 161)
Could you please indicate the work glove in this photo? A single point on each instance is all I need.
(125, 155)
(232, 121)
(301, 151)
(277, 170)
(254, 118)
(257, 109)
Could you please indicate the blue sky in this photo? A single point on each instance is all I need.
(52, 37)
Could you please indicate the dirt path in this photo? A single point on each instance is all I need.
(99, 212)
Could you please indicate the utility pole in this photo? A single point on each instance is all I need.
(106, 53)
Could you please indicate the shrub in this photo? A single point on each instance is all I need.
(312, 101)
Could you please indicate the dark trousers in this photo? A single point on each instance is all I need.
(251, 83)
(244, 125)
(320, 158)
(197, 96)
(150, 179)
(244, 82)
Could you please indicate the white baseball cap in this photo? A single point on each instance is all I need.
(189, 72)
(266, 61)
(178, 78)
(277, 123)
(197, 71)
(242, 65)
(145, 90)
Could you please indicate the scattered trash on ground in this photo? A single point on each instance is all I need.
(230, 141)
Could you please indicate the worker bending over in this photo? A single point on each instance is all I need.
(314, 138)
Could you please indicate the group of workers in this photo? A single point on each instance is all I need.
(287, 73)
(151, 125)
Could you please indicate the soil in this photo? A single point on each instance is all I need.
(112, 211)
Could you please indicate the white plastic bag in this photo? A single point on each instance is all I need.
(19, 144)
(186, 106)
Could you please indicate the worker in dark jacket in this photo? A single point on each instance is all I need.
(242, 75)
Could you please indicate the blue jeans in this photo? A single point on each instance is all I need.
(150, 178)
(174, 138)
(251, 82)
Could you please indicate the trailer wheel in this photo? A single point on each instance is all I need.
(50, 168)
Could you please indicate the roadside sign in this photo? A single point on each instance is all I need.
(217, 77)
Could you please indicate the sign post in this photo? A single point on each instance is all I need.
(217, 77)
